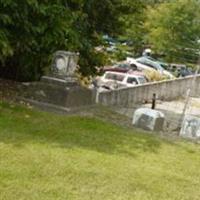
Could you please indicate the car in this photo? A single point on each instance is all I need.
(144, 63)
(162, 64)
(123, 67)
(181, 70)
(114, 80)
(139, 65)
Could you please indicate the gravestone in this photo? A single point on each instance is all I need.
(190, 127)
(60, 87)
(64, 64)
(148, 119)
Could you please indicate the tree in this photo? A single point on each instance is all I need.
(173, 29)
(133, 18)
(32, 30)
(95, 18)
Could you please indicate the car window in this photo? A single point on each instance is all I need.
(150, 63)
(109, 76)
(147, 63)
(142, 80)
(123, 65)
(119, 77)
(132, 80)
(116, 77)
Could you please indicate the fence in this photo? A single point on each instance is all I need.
(164, 90)
(127, 100)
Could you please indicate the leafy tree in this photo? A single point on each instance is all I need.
(32, 30)
(133, 18)
(174, 29)
(96, 18)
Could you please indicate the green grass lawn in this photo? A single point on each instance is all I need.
(46, 156)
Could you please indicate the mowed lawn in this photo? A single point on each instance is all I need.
(47, 156)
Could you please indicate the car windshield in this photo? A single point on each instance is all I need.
(132, 80)
(150, 63)
(115, 77)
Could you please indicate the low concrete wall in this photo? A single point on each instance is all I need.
(165, 90)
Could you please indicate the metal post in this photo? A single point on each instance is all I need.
(153, 102)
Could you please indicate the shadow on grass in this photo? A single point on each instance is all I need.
(19, 126)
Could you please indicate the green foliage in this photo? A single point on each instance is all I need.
(32, 30)
(133, 19)
(174, 29)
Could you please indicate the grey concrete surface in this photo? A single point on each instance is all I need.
(172, 109)
(164, 90)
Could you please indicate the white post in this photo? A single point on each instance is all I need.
(189, 93)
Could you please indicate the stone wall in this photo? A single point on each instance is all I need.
(165, 90)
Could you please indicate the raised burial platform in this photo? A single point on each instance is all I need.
(60, 90)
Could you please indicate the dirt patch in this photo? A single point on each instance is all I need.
(8, 90)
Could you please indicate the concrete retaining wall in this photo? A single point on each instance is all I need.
(165, 90)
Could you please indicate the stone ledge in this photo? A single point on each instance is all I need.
(58, 81)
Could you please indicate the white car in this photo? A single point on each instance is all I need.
(114, 80)
(139, 65)
(143, 63)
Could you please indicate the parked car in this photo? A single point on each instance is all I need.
(164, 65)
(123, 67)
(114, 80)
(144, 63)
(139, 65)
(181, 70)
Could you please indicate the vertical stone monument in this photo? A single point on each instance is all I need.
(191, 127)
(64, 64)
(60, 88)
(63, 68)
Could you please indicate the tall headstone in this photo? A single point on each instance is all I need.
(60, 87)
(64, 64)
(191, 127)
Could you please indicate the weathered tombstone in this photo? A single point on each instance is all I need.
(190, 127)
(63, 68)
(148, 119)
(60, 87)
(64, 64)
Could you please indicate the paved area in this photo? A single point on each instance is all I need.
(173, 111)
